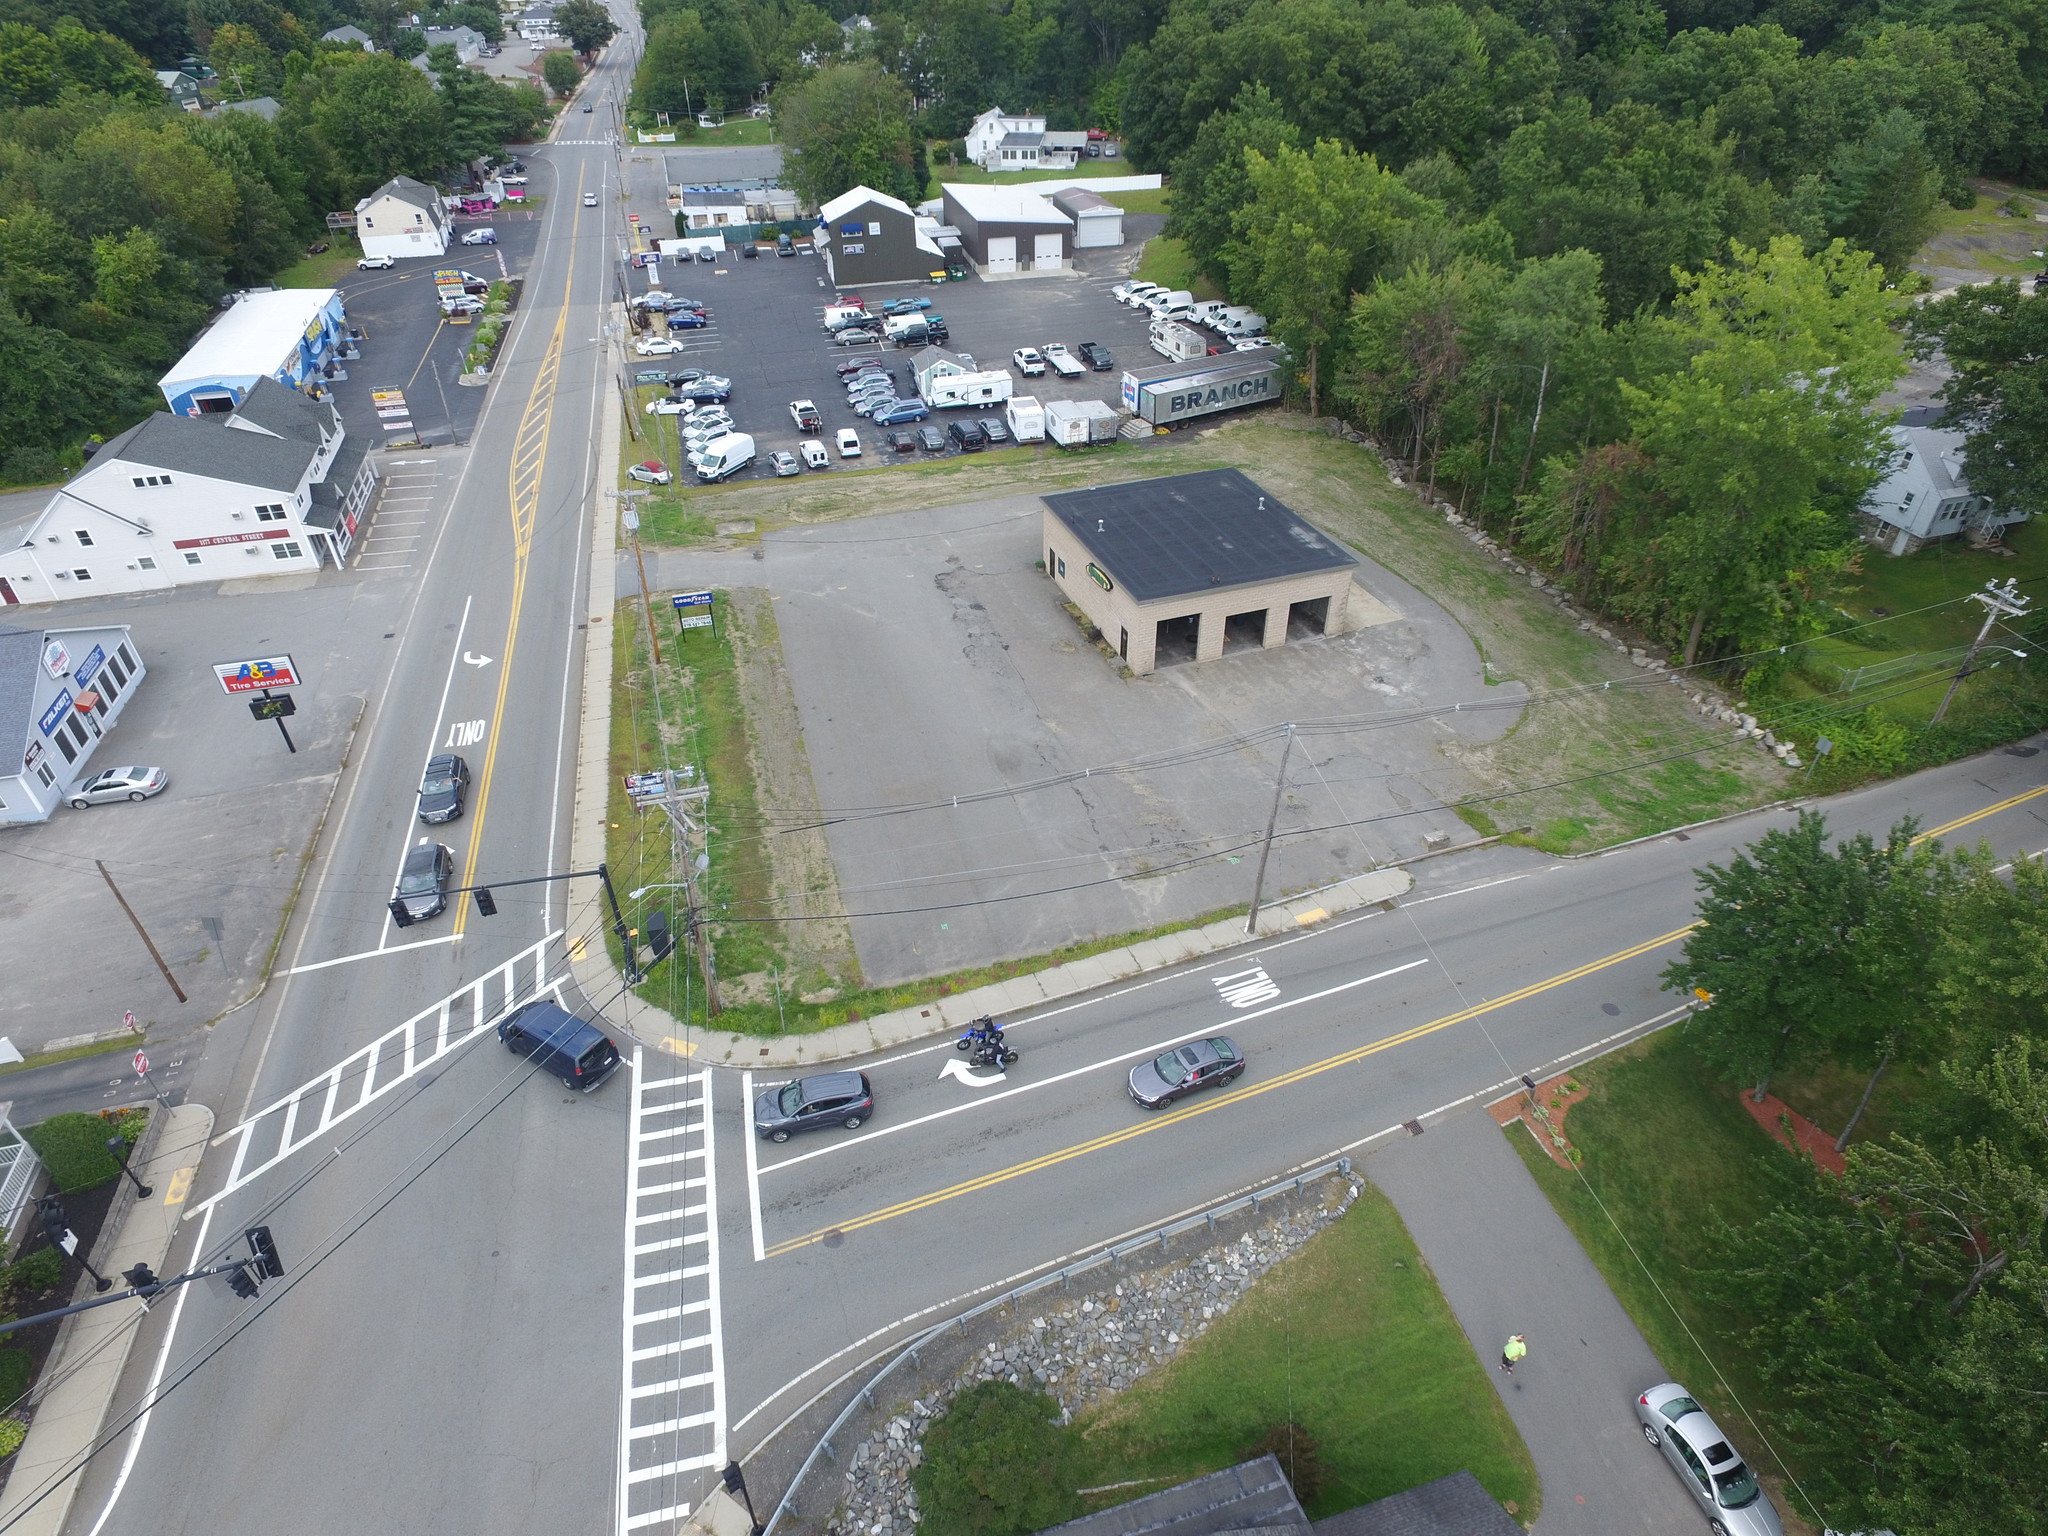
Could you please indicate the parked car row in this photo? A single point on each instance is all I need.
(1236, 327)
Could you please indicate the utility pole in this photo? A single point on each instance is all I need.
(630, 514)
(1251, 920)
(176, 990)
(1999, 603)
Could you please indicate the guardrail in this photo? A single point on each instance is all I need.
(1063, 1277)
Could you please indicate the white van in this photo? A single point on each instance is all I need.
(1209, 311)
(723, 456)
(1240, 321)
(839, 316)
(1165, 303)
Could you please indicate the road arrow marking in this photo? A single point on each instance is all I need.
(475, 660)
(960, 1069)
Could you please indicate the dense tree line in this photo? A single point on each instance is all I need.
(1901, 1311)
(123, 219)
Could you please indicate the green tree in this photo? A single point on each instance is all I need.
(1766, 441)
(997, 1462)
(1995, 338)
(379, 117)
(587, 25)
(558, 67)
(1319, 225)
(846, 126)
(1881, 190)
(244, 62)
(1991, 949)
(1209, 183)
(30, 73)
(1410, 346)
(667, 80)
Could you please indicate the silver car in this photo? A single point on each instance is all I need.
(1711, 1469)
(111, 784)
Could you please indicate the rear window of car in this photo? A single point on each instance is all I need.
(597, 1058)
(1223, 1049)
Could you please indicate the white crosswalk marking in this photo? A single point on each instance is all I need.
(672, 1403)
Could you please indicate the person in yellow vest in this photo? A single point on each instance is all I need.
(1517, 1347)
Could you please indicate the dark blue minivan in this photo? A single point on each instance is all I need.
(556, 1041)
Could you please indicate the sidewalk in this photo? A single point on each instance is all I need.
(655, 1027)
(92, 1350)
(1508, 1264)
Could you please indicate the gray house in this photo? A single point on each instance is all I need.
(868, 237)
(1009, 231)
(1927, 495)
(355, 37)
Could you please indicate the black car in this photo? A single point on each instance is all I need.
(423, 879)
(968, 435)
(704, 392)
(1096, 356)
(680, 377)
(902, 441)
(750, 250)
(556, 1041)
(1184, 1070)
(931, 439)
(830, 1098)
(855, 365)
(937, 330)
(994, 430)
(442, 788)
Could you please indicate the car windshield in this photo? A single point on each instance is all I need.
(417, 881)
(438, 784)
(1171, 1068)
(791, 1099)
(1737, 1489)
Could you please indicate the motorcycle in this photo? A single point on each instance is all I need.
(979, 1032)
(993, 1053)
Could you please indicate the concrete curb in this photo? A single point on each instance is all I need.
(92, 1350)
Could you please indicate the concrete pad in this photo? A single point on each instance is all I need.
(84, 1369)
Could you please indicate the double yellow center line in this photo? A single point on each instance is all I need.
(1208, 1106)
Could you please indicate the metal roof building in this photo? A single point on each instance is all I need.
(1193, 567)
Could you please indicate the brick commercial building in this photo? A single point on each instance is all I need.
(1193, 567)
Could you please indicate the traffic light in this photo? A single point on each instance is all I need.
(142, 1278)
(659, 939)
(241, 1282)
(486, 903)
(56, 1227)
(263, 1254)
(398, 913)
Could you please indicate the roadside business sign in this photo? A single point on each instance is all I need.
(694, 599)
(704, 600)
(694, 621)
(256, 674)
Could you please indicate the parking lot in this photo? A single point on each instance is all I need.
(766, 335)
(407, 347)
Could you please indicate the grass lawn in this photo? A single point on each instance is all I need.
(1982, 238)
(1087, 170)
(1647, 1217)
(329, 269)
(1352, 1340)
(1166, 263)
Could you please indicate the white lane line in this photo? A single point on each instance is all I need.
(1094, 1066)
(371, 954)
(440, 712)
(753, 1164)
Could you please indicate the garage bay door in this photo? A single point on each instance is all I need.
(1002, 253)
(1045, 253)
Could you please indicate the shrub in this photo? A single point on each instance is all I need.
(997, 1463)
(74, 1148)
(17, 1371)
(12, 1433)
(34, 1273)
(1300, 1458)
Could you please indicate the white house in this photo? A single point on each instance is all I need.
(271, 487)
(537, 24)
(61, 690)
(998, 141)
(1927, 495)
(714, 207)
(403, 218)
(467, 43)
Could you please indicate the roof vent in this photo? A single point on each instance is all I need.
(1100, 527)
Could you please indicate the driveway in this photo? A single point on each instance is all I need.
(931, 659)
(1508, 1264)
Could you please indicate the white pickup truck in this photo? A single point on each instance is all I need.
(1061, 360)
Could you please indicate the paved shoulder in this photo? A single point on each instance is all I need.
(1507, 1265)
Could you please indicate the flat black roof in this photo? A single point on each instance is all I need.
(1193, 533)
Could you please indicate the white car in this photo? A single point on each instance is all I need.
(376, 263)
(656, 346)
(849, 443)
(589, 198)
(804, 413)
(1028, 362)
(813, 453)
(481, 237)
(1122, 291)
(1135, 294)
(667, 407)
(465, 305)
(653, 472)
(119, 784)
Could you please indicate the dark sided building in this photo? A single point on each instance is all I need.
(869, 238)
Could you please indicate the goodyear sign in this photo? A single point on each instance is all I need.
(1100, 577)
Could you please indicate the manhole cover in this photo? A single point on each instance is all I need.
(1412, 1127)
(833, 1238)
(1612, 1010)
(2021, 751)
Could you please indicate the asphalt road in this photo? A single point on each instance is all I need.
(445, 1354)
(479, 1295)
